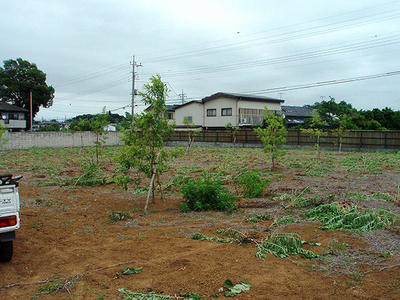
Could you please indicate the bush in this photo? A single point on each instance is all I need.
(206, 194)
(251, 183)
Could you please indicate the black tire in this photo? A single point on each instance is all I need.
(6, 251)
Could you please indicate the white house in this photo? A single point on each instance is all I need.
(12, 117)
(220, 109)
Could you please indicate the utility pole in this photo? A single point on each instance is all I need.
(134, 64)
(30, 110)
(182, 97)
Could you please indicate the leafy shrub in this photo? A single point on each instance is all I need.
(183, 207)
(206, 194)
(283, 245)
(202, 237)
(252, 183)
(92, 174)
(335, 218)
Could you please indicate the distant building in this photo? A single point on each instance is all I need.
(220, 109)
(296, 115)
(12, 117)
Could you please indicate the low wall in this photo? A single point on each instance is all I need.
(355, 140)
(26, 140)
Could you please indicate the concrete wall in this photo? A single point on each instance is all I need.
(25, 140)
(194, 109)
(259, 105)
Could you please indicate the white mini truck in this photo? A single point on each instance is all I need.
(9, 214)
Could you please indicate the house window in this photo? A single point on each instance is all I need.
(211, 112)
(188, 118)
(170, 116)
(13, 116)
(226, 112)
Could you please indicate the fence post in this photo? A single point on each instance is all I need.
(216, 136)
(298, 137)
(361, 140)
(204, 135)
(385, 147)
(245, 136)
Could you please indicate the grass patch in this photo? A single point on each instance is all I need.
(285, 220)
(251, 183)
(258, 218)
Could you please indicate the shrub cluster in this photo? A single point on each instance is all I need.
(206, 194)
(252, 183)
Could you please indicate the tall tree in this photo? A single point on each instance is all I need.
(20, 77)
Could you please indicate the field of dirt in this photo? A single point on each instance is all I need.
(71, 245)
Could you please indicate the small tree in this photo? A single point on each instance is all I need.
(272, 135)
(190, 131)
(97, 126)
(234, 130)
(342, 130)
(316, 129)
(144, 140)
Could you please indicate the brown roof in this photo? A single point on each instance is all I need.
(11, 108)
(242, 97)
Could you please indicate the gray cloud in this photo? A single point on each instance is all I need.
(85, 48)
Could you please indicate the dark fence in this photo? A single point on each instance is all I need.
(354, 139)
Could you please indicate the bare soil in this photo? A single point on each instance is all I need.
(66, 235)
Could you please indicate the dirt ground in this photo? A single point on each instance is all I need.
(67, 236)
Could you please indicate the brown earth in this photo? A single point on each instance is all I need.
(66, 234)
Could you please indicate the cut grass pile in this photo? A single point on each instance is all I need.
(202, 237)
(283, 245)
(353, 219)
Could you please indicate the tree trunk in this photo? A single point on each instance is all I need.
(151, 189)
(160, 186)
(318, 154)
(340, 145)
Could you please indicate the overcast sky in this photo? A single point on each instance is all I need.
(203, 47)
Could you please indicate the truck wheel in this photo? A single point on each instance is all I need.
(6, 251)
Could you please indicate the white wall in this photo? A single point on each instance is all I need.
(193, 109)
(26, 140)
(259, 105)
(221, 121)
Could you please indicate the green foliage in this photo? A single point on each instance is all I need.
(207, 194)
(252, 183)
(129, 271)
(343, 129)
(183, 207)
(234, 131)
(202, 237)
(190, 132)
(51, 287)
(272, 135)
(50, 127)
(19, 77)
(336, 218)
(285, 220)
(92, 174)
(2, 141)
(144, 140)
(229, 232)
(233, 290)
(283, 245)
(316, 128)
(258, 218)
(331, 112)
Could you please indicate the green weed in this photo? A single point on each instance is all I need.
(353, 219)
(257, 218)
(283, 245)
